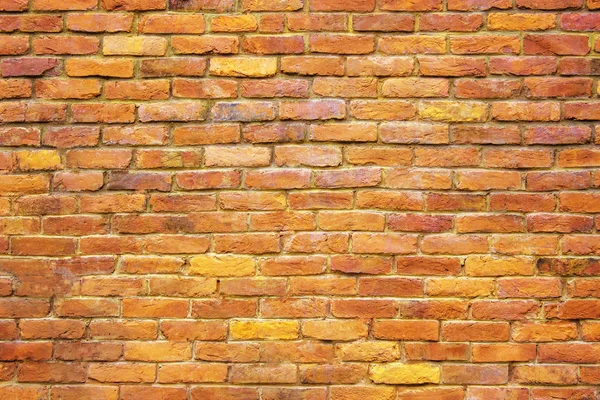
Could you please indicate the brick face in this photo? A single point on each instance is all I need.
(299, 199)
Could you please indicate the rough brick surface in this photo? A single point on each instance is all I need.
(299, 199)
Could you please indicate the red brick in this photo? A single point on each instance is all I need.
(99, 22)
(52, 372)
(223, 393)
(478, 392)
(557, 135)
(475, 374)
(273, 44)
(68, 45)
(486, 89)
(174, 66)
(523, 65)
(94, 351)
(556, 44)
(545, 374)
(273, 133)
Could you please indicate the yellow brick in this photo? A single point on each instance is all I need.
(135, 46)
(453, 287)
(272, 330)
(405, 374)
(453, 111)
(379, 351)
(222, 265)
(521, 22)
(38, 160)
(243, 67)
(341, 330)
(499, 266)
(234, 23)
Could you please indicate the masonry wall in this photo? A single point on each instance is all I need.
(299, 199)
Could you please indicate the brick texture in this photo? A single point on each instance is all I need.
(299, 199)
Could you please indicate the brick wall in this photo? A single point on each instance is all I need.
(299, 199)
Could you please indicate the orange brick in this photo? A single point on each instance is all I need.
(150, 392)
(133, 5)
(88, 351)
(408, 5)
(420, 44)
(361, 264)
(124, 330)
(312, 65)
(475, 331)
(52, 372)
(77, 392)
(451, 66)
(321, 285)
(122, 372)
(504, 352)
(406, 330)
(356, 392)
(341, 44)
(149, 308)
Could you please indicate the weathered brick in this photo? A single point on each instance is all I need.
(171, 24)
(205, 44)
(99, 22)
(405, 374)
(134, 46)
(66, 45)
(243, 67)
(341, 44)
(370, 195)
